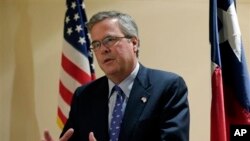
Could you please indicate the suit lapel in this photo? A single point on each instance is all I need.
(136, 103)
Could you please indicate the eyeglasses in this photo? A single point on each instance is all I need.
(108, 42)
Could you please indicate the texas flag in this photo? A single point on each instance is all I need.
(230, 79)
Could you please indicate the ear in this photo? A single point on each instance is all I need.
(136, 43)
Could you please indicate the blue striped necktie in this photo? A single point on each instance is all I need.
(117, 114)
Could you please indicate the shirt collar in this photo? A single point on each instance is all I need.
(127, 83)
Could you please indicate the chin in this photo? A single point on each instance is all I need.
(110, 71)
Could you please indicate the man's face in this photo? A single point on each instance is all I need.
(120, 59)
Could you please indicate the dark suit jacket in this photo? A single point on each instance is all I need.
(163, 117)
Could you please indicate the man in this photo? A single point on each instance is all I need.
(153, 106)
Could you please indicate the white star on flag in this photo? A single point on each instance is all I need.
(73, 5)
(83, 6)
(76, 17)
(231, 25)
(67, 19)
(82, 40)
(69, 31)
(78, 28)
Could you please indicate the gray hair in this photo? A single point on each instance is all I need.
(125, 22)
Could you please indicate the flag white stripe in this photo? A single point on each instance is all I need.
(214, 66)
(65, 108)
(76, 57)
(69, 82)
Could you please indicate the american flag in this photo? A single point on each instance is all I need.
(230, 78)
(77, 59)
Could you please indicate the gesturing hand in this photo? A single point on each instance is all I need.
(65, 137)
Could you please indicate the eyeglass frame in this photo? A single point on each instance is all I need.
(105, 43)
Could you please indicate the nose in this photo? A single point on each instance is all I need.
(104, 49)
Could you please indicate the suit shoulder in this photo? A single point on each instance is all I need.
(160, 74)
(166, 78)
(95, 84)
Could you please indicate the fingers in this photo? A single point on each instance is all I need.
(67, 135)
(47, 136)
(91, 136)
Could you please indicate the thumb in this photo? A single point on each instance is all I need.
(91, 136)
(67, 135)
(47, 136)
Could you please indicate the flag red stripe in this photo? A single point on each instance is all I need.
(93, 76)
(74, 71)
(65, 93)
(218, 121)
(61, 115)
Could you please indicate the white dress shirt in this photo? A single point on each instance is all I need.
(126, 86)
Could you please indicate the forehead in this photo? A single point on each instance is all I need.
(105, 28)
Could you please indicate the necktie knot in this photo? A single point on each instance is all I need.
(116, 89)
(120, 95)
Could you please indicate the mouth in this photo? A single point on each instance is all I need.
(108, 60)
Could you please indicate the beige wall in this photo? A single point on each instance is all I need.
(174, 37)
